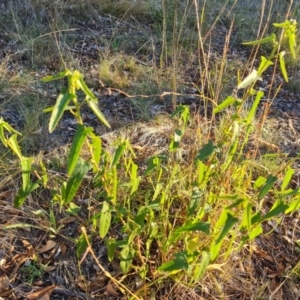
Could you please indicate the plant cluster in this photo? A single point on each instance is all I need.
(177, 217)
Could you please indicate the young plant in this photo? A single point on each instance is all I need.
(77, 168)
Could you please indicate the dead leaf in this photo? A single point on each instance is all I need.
(275, 287)
(29, 248)
(111, 290)
(261, 253)
(4, 283)
(41, 294)
(63, 248)
(19, 260)
(49, 245)
(66, 220)
(92, 285)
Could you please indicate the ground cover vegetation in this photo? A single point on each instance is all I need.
(141, 154)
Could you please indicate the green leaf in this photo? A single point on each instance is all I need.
(264, 65)
(246, 221)
(111, 248)
(93, 104)
(73, 209)
(278, 208)
(200, 268)
(268, 185)
(75, 180)
(2, 136)
(50, 108)
(230, 221)
(216, 245)
(287, 178)
(254, 106)
(105, 220)
(292, 41)
(256, 231)
(127, 255)
(43, 175)
(179, 110)
(199, 226)
(178, 263)
(14, 145)
(270, 38)
(288, 193)
(197, 195)
(282, 25)
(121, 148)
(256, 218)
(96, 151)
(60, 75)
(259, 182)
(61, 103)
(206, 151)
(5, 125)
(228, 101)
(81, 245)
(282, 66)
(26, 163)
(176, 140)
(78, 140)
(293, 206)
(82, 85)
(23, 194)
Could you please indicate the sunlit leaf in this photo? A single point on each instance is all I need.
(256, 231)
(73, 209)
(293, 206)
(267, 186)
(75, 180)
(120, 150)
(282, 66)
(230, 221)
(267, 39)
(292, 41)
(250, 79)
(254, 106)
(78, 140)
(96, 150)
(200, 268)
(287, 178)
(60, 75)
(282, 25)
(228, 101)
(14, 145)
(105, 219)
(278, 208)
(259, 182)
(61, 103)
(93, 104)
(264, 65)
(26, 163)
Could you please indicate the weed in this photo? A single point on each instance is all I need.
(195, 202)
